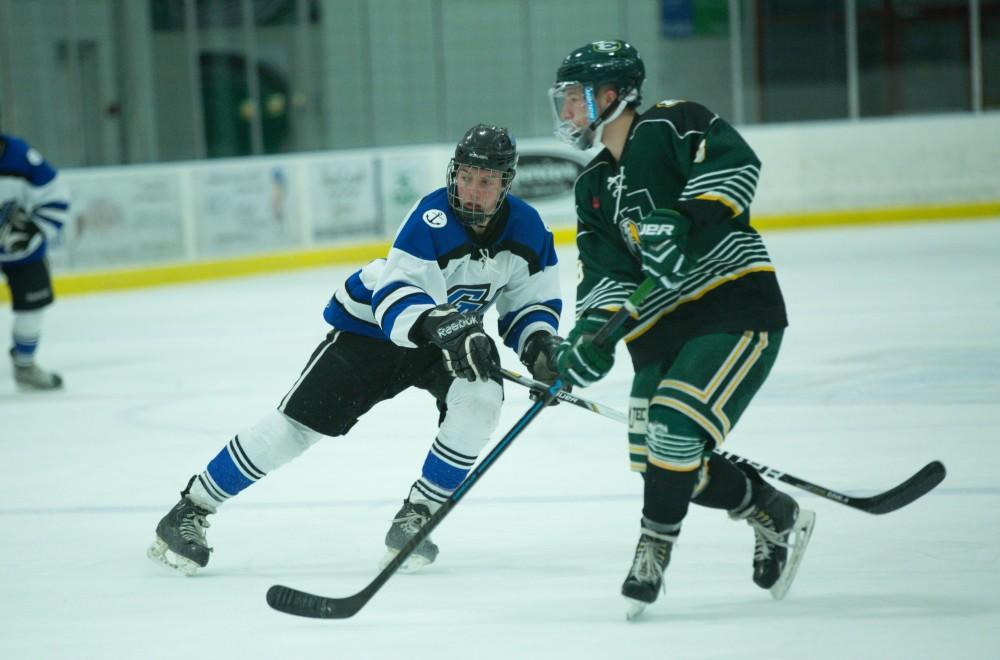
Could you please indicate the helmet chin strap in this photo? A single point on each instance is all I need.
(611, 113)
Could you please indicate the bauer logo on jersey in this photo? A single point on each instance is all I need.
(435, 218)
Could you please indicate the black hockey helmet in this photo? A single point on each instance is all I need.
(487, 148)
(590, 68)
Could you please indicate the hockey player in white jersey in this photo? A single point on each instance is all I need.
(34, 205)
(407, 320)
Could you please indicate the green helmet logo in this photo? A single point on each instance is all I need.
(606, 46)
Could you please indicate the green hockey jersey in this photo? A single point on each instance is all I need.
(682, 156)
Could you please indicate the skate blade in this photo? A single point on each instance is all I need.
(801, 533)
(634, 608)
(31, 387)
(413, 563)
(161, 554)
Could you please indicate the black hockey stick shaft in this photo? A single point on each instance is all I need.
(918, 485)
(300, 603)
(630, 308)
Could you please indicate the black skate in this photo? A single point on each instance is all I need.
(645, 578)
(32, 377)
(180, 537)
(405, 525)
(781, 533)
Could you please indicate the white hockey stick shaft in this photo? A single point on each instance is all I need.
(565, 396)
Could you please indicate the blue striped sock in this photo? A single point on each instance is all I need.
(229, 472)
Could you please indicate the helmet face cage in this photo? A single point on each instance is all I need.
(486, 149)
(581, 137)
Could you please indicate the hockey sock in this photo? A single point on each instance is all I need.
(443, 471)
(227, 474)
(727, 488)
(27, 330)
(667, 494)
(661, 531)
(249, 456)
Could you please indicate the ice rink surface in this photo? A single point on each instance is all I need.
(892, 360)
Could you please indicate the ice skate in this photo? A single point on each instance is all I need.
(781, 534)
(180, 538)
(645, 578)
(405, 525)
(31, 377)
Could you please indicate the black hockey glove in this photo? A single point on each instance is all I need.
(538, 357)
(468, 351)
(16, 229)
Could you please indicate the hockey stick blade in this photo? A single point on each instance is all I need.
(292, 601)
(912, 489)
(300, 603)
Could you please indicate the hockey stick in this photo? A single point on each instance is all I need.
(629, 308)
(292, 601)
(918, 485)
(563, 395)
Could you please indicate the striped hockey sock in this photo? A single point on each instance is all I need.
(443, 471)
(26, 331)
(227, 474)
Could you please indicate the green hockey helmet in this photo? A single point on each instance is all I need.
(582, 74)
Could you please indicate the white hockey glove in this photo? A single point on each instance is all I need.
(539, 357)
(468, 351)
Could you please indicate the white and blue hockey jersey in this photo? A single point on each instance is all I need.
(34, 203)
(434, 260)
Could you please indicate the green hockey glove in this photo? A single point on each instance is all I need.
(662, 240)
(579, 360)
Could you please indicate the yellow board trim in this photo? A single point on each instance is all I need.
(125, 278)
(888, 215)
(132, 278)
(874, 216)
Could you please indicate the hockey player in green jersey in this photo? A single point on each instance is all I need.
(668, 199)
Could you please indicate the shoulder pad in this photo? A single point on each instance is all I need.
(20, 159)
(685, 116)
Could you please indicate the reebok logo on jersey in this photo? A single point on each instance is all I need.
(435, 218)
